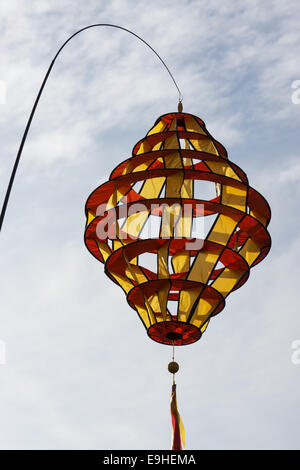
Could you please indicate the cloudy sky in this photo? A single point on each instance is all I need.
(80, 371)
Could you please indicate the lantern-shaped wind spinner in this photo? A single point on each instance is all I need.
(177, 226)
(142, 224)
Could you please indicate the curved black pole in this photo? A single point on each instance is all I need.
(11, 181)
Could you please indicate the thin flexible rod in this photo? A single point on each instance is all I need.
(11, 181)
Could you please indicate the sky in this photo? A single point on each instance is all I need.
(77, 369)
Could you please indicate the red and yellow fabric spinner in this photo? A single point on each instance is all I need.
(161, 186)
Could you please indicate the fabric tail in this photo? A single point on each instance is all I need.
(178, 432)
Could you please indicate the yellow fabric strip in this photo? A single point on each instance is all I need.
(138, 277)
(187, 299)
(171, 142)
(143, 313)
(142, 166)
(192, 125)
(144, 147)
(170, 217)
(223, 228)
(227, 281)
(173, 125)
(184, 224)
(163, 301)
(174, 182)
(173, 160)
(203, 327)
(163, 255)
(203, 265)
(163, 273)
(250, 251)
(128, 168)
(152, 187)
(160, 127)
(182, 430)
(202, 312)
(234, 197)
(116, 196)
(90, 218)
(135, 273)
(181, 262)
(104, 249)
(204, 145)
(134, 224)
(222, 168)
(187, 189)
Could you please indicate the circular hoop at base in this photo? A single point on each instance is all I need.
(169, 332)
